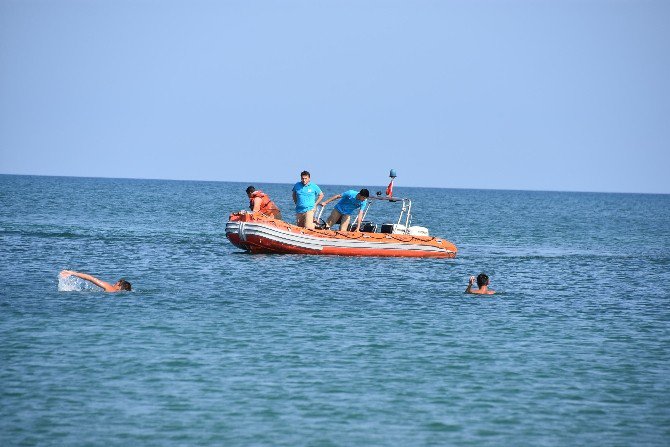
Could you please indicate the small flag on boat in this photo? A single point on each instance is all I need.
(389, 189)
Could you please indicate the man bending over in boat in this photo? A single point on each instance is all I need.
(120, 286)
(260, 202)
(350, 201)
(482, 284)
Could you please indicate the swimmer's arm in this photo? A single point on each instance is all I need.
(469, 288)
(105, 285)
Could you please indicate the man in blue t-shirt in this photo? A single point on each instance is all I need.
(350, 202)
(306, 196)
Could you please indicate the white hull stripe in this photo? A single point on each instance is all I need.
(246, 229)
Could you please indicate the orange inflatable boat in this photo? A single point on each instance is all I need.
(258, 233)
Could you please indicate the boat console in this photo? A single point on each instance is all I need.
(401, 226)
(390, 228)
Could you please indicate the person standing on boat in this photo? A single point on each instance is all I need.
(482, 284)
(350, 201)
(306, 196)
(259, 202)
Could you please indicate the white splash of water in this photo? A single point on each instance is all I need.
(75, 284)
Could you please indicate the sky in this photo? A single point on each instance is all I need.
(563, 95)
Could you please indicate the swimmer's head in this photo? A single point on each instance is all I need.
(482, 280)
(250, 190)
(124, 285)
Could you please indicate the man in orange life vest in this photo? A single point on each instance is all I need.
(260, 202)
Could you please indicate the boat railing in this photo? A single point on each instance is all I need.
(404, 219)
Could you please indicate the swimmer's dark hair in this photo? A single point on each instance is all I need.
(250, 189)
(482, 280)
(364, 192)
(125, 285)
(305, 173)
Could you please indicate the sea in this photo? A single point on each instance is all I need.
(218, 347)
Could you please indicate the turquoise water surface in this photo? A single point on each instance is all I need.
(217, 347)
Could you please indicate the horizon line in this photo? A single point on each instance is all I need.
(332, 184)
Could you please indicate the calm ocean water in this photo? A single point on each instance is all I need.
(215, 347)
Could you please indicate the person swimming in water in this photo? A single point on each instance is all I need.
(482, 284)
(121, 285)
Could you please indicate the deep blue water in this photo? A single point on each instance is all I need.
(216, 347)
